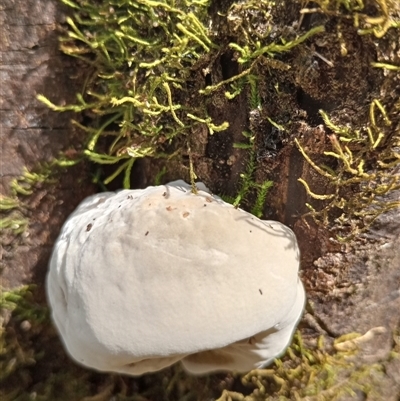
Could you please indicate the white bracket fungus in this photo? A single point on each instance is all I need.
(141, 279)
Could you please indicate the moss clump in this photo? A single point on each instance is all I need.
(361, 160)
(366, 158)
(11, 216)
(247, 185)
(143, 54)
(33, 366)
(13, 208)
(149, 61)
(370, 17)
(153, 81)
(312, 372)
(29, 315)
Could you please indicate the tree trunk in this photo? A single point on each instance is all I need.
(350, 288)
(32, 135)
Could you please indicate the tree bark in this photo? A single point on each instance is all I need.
(349, 288)
(31, 135)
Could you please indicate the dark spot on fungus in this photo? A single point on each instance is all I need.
(130, 197)
(251, 340)
(164, 194)
(200, 354)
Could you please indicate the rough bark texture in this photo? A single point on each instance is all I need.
(31, 134)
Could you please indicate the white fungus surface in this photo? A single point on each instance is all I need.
(141, 279)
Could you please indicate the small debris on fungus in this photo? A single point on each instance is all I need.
(188, 293)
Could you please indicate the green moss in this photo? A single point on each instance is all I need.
(361, 162)
(14, 222)
(20, 303)
(145, 95)
(13, 208)
(142, 54)
(146, 59)
(7, 203)
(310, 373)
(11, 218)
(25, 334)
(365, 160)
(247, 185)
(309, 370)
(24, 184)
(384, 17)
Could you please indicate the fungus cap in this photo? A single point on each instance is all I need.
(140, 279)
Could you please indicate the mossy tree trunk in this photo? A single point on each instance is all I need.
(350, 287)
